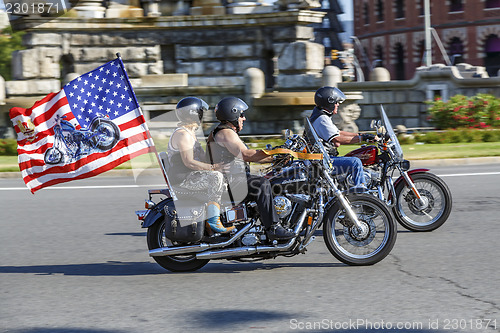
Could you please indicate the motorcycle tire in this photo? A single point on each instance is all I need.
(347, 244)
(107, 134)
(178, 263)
(437, 207)
(52, 156)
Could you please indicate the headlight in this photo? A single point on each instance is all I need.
(405, 165)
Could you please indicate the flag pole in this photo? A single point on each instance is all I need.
(118, 55)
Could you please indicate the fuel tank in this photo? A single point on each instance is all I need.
(291, 179)
(367, 154)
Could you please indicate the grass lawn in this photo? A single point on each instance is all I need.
(411, 152)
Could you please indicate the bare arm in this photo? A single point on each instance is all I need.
(233, 143)
(185, 144)
(345, 138)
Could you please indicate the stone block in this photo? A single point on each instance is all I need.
(90, 54)
(382, 97)
(32, 87)
(400, 96)
(216, 81)
(307, 81)
(240, 51)
(44, 39)
(198, 52)
(214, 67)
(36, 63)
(238, 67)
(302, 57)
(155, 68)
(165, 80)
(191, 68)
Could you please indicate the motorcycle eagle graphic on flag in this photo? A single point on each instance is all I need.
(90, 126)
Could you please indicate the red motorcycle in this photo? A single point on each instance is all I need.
(420, 200)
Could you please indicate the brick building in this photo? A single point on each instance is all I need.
(392, 34)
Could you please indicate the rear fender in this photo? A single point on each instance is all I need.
(156, 213)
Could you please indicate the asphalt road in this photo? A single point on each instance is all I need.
(74, 259)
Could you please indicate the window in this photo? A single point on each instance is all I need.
(492, 51)
(379, 56)
(400, 62)
(456, 51)
(422, 7)
(456, 6)
(380, 10)
(400, 8)
(366, 13)
(492, 4)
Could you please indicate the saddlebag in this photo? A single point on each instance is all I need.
(184, 223)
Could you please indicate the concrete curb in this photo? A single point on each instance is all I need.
(256, 167)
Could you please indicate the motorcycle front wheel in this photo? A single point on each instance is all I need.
(52, 156)
(352, 246)
(428, 214)
(178, 263)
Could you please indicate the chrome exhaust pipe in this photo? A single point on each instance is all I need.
(243, 251)
(169, 251)
(249, 250)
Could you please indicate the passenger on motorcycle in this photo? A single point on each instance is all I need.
(188, 167)
(225, 146)
(327, 100)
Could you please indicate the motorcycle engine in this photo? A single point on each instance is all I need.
(283, 206)
(372, 178)
(253, 236)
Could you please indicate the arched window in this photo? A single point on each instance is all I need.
(380, 10)
(456, 6)
(492, 4)
(379, 56)
(400, 8)
(366, 13)
(400, 61)
(492, 51)
(456, 51)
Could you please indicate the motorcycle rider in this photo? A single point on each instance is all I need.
(187, 160)
(224, 145)
(327, 100)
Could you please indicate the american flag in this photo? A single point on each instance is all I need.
(102, 96)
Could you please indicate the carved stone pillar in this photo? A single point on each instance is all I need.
(151, 8)
(90, 9)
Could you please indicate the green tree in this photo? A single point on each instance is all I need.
(9, 42)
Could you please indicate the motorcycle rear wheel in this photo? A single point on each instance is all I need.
(178, 263)
(107, 134)
(437, 198)
(351, 247)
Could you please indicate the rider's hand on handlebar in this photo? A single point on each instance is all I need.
(368, 137)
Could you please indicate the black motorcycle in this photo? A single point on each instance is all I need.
(357, 229)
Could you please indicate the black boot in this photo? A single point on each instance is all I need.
(279, 233)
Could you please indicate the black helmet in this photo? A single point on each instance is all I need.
(230, 109)
(190, 109)
(326, 98)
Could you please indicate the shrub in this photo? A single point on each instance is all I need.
(480, 111)
(8, 147)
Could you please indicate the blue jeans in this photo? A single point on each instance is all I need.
(352, 165)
